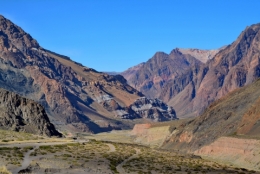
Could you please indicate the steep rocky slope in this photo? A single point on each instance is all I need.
(233, 67)
(236, 151)
(132, 71)
(191, 86)
(151, 77)
(21, 114)
(153, 109)
(76, 97)
(228, 131)
(236, 114)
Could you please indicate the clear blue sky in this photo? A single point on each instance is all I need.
(113, 35)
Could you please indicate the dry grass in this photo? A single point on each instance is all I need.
(11, 136)
(3, 170)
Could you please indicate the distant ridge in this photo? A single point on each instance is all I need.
(190, 86)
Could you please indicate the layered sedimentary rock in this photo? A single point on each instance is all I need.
(236, 151)
(21, 114)
(236, 114)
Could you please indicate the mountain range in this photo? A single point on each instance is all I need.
(75, 97)
(189, 80)
(78, 98)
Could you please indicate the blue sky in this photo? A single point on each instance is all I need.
(113, 35)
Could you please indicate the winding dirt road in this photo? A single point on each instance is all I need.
(27, 158)
(120, 168)
(112, 148)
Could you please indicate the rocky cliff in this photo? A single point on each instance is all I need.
(21, 114)
(77, 98)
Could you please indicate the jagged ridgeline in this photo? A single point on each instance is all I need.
(76, 98)
(189, 80)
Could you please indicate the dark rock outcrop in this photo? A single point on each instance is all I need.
(21, 114)
(154, 109)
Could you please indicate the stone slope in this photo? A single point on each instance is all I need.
(228, 131)
(151, 77)
(153, 109)
(233, 115)
(190, 86)
(231, 68)
(21, 114)
(77, 98)
(236, 151)
(201, 55)
(131, 72)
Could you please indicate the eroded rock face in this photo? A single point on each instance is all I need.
(231, 68)
(190, 86)
(239, 152)
(153, 109)
(72, 94)
(21, 114)
(236, 114)
(202, 55)
(150, 77)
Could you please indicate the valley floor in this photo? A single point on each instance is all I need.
(89, 155)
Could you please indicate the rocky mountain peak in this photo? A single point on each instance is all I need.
(16, 36)
(191, 79)
(176, 51)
